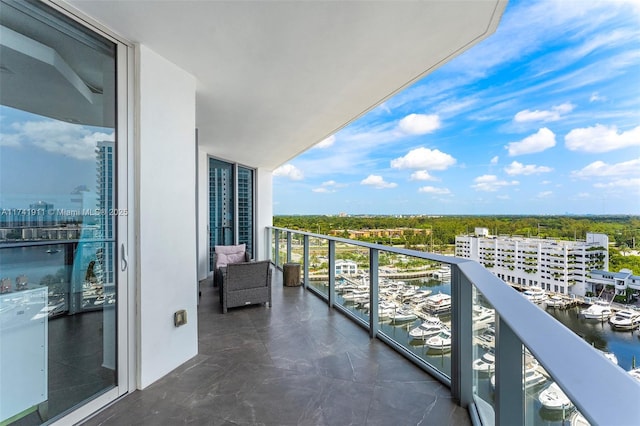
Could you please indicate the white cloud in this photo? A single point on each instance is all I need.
(491, 183)
(68, 139)
(545, 194)
(495, 159)
(422, 175)
(329, 187)
(549, 115)
(595, 96)
(537, 142)
(600, 138)
(517, 168)
(434, 190)
(289, 171)
(600, 168)
(9, 139)
(620, 183)
(424, 158)
(377, 182)
(326, 143)
(419, 124)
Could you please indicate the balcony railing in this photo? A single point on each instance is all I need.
(497, 349)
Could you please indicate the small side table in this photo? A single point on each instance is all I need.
(291, 274)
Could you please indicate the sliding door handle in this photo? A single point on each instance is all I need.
(124, 262)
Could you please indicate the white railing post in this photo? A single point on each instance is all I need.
(509, 398)
(373, 293)
(277, 247)
(332, 273)
(288, 246)
(462, 334)
(305, 257)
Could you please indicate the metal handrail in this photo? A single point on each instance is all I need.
(603, 392)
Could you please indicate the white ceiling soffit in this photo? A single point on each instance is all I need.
(275, 78)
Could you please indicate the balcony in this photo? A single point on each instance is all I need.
(294, 363)
(526, 339)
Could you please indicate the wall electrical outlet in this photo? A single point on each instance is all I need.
(180, 318)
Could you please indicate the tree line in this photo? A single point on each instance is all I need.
(440, 231)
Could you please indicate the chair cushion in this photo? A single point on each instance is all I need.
(229, 254)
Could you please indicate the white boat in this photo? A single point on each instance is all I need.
(482, 316)
(625, 319)
(535, 294)
(532, 377)
(440, 342)
(635, 373)
(610, 356)
(428, 328)
(600, 310)
(437, 303)
(485, 364)
(578, 419)
(403, 315)
(443, 273)
(552, 398)
(555, 301)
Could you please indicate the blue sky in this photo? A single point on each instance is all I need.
(543, 117)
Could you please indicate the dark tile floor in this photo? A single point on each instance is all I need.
(296, 363)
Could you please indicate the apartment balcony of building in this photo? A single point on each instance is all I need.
(252, 85)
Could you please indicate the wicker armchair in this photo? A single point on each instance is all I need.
(246, 283)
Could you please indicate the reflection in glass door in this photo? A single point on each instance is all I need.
(231, 206)
(58, 147)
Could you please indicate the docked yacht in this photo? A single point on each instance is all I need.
(482, 317)
(403, 315)
(600, 310)
(485, 364)
(625, 319)
(428, 328)
(437, 303)
(535, 294)
(553, 398)
(555, 301)
(440, 342)
(532, 377)
(635, 373)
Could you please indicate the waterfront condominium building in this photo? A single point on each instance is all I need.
(553, 265)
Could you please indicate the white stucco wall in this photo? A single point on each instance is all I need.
(203, 214)
(166, 230)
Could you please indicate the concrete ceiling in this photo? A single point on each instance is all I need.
(277, 77)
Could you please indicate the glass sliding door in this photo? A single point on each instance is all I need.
(231, 205)
(221, 209)
(245, 207)
(59, 215)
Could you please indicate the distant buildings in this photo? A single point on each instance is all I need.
(553, 265)
(379, 233)
(346, 267)
(620, 281)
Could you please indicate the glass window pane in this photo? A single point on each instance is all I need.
(58, 213)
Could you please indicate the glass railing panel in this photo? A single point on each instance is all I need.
(274, 244)
(319, 265)
(32, 267)
(415, 307)
(544, 401)
(297, 249)
(282, 248)
(483, 367)
(352, 279)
